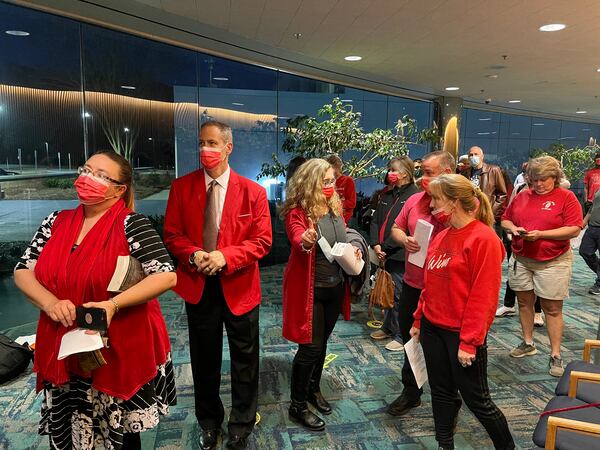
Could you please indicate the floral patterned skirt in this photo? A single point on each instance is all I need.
(77, 416)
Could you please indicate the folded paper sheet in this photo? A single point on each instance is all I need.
(414, 352)
(344, 255)
(78, 341)
(422, 235)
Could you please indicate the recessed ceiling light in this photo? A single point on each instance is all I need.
(149, 139)
(220, 78)
(598, 69)
(131, 88)
(126, 130)
(493, 75)
(485, 118)
(237, 104)
(353, 58)
(553, 27)
(297, 35)
(347, 100)
(514, 101)
(17, 33)
(538, 124)
(580, 112)
(483, 134)
(452, 88)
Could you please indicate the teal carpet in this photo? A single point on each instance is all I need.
(360, 382)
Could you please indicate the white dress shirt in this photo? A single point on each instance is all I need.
(221, 186)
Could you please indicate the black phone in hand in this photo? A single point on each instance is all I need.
(91, 318)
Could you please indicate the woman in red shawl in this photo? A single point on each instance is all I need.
(70, 263)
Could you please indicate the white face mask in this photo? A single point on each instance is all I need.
(474, 160)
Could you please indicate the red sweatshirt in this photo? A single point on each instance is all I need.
(462, 282)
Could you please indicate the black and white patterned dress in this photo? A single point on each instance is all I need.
(76, 415)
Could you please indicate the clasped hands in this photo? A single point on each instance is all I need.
(209, 263)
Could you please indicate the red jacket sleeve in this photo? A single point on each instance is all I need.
(258, 243)
(485, 264)
(296, 223)
(175, 240)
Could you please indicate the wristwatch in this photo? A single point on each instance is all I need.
(192, 259)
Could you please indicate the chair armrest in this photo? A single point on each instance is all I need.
(588, 345)
(576, 377)
(576, 426)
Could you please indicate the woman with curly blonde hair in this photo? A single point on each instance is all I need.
(314, 289)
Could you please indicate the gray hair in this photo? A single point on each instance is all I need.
(446, 159)
(225, 129)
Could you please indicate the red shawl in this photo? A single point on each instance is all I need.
(137, 336)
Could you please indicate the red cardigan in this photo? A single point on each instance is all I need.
(298, 283)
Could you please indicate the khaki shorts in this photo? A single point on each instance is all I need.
(547, 279)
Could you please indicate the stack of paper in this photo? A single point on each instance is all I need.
(344, 255)
(79, 341)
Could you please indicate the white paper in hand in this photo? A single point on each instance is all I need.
(414, 352)
(78, 341)
(344, 255)
(422, 235)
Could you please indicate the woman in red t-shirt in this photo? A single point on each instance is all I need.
(463, 273)
(542, 220)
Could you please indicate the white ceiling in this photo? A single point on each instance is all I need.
(428, 44)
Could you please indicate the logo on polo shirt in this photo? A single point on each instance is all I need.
(548, 205)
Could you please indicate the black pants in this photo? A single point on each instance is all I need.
(205, 322)
(447, 378)
(409, 300)
(132, 441)
(510, 297)
(590, 244)
(309, 359)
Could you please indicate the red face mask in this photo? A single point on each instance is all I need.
(425, 184)
(210, 157)
(90, 190)
(328, 192)
(441, 216)
(392, 177)
(598, 161)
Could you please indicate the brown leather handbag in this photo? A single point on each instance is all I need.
(382, 294)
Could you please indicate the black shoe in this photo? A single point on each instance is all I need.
(300, 413)
(208, 439)
(237, 442)
(318, 401)
(402, 405)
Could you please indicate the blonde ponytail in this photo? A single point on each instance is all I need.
(484, 212)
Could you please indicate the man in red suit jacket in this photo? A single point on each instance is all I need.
(218, 226)
(344, 186)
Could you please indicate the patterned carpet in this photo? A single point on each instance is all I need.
(360, 382)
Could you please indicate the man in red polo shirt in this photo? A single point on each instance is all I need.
(591, 183)
(416, 207)
(344, 186)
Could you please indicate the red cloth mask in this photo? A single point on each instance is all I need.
(328, 192)
(210, 157)
(392, 178)
(441, 216)
(425, 184)
(90, 189)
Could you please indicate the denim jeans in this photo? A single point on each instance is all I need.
(590, 244)
(390, 318)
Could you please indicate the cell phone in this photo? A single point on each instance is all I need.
(521, 233)
(91, 318)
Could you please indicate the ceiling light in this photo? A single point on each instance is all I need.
(586, 129)
(347, 100)
(566, 137)
(17, 33)
(353, 58)
(149, 139)
(493, 75)
(485, 118)
(516, 134)
(452, 88)
(580, 112)
(87, 114)
(538, 124)
(237, 104)
(297, 35)
(126, 130)
(131, 88)
(553, 27)
(598, 69)
(514, 101)
(220, 78)
(483, 134)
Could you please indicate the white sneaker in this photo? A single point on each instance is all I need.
(379, 335)
(505, 311)
(538, 320)
(394, 346)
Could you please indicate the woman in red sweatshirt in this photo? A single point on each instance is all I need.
(463, 273)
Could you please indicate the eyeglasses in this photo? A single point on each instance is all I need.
(329, 182)
(87, 172)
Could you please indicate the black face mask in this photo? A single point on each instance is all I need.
(418, 173)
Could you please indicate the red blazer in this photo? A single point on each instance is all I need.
(346, 189)
(299, 283)
(245, 236)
